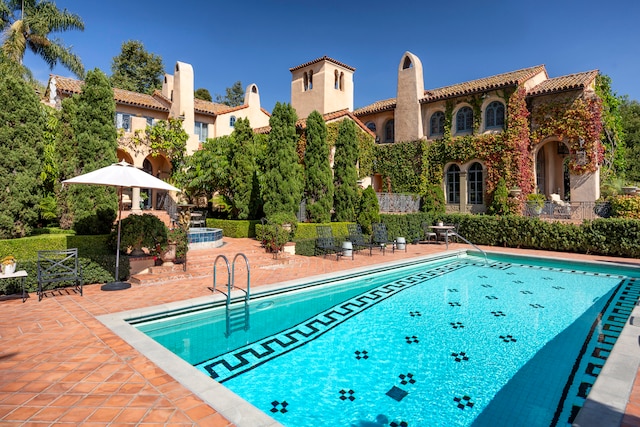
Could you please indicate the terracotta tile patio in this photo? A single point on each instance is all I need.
(60, 366)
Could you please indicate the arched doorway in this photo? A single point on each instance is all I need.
(551, 169)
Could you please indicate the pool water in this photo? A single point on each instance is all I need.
(460, 343)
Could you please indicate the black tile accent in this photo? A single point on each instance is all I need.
(412, 339)
(415, 313)
(456, 325)
(396, 393)
(399, 424)
(536, 305)
(362, 354)
(482, 277)
(508, 338)
(486, 286)
(408, 378)
(454, 304)
(498, 314)
(459, 357)
(519, 282)
(452, 290)
(584, 389)
(526, 292)
(347, 395)
(279, 407)
(463, 402)
(491, 297)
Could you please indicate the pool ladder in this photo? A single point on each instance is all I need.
(237, 315)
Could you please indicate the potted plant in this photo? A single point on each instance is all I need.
(8, 264)
(278, 231)
(535, 202)
(142, 231)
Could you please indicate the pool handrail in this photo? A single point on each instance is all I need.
(229, 278)
(455, 233)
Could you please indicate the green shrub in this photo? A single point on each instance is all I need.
(369, 209)
(141, 231)
(234, 228)
(625, 206)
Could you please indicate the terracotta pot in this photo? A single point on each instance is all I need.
(170, 254)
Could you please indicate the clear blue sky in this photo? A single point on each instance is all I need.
(257, 41)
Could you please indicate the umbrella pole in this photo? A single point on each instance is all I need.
(117, 284)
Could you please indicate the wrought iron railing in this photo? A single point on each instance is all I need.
(574, 211)
(398, 203)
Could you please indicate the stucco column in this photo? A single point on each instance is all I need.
(463, 191)
(135, 199)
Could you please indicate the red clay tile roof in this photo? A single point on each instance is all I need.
(207, 107)
(69, 86)
(564, 83)
(498, 81)
(324, 58)
(329, 117)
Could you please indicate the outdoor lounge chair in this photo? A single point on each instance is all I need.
(198, 219)
(325, 244)
(380, 237)
(357, 238)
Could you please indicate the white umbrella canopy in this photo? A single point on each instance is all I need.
(120, 175)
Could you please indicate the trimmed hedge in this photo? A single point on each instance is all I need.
(97, 260)
(236, 229)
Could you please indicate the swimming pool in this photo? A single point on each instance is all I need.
(449, 343)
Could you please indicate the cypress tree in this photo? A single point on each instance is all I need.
(318, 176)
(22, 126)
(242, 180)
(369, 210)
(345, 172)
(93, 138)
(282, 189)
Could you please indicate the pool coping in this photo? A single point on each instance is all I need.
(604, 406)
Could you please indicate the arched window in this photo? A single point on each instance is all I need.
(371, 126)
(475, 184)
(464, 120)
(453, 184)
(494, 115)
(342, 81)
(232, 121)
(389, 131)
(336, 83)
(436, 127)
(310, 79)
(306, 81)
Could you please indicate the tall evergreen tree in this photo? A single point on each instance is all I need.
(137, 70)
(94, 141)
(28, 24)
(22, 125)
(282, 187)
(234, 95)
(242, 177)
(318, 177)
(345, 172)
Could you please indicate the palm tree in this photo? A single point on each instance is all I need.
(28, 23)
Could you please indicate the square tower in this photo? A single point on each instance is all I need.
(324, 84)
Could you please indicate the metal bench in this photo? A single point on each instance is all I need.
(62, 267)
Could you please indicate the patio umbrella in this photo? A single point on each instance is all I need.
(120, 175)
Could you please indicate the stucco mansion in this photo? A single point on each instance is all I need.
(478, 107)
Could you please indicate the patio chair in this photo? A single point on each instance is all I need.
(429, 234)
(357, 238)
(380, 237)
(198, 219)
(325, 244)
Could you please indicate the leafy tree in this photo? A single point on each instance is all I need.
(345, 172)
(282, 187)
(22, 125)
(234, 95)
(202, 93)
(137, 70)
(28, 24)
(94, 143)
(433, 200)
(318, 176)
(243, 185)
(205, 171)
(369, 209)
(630, 113)
(166, 137)
(613, 138)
